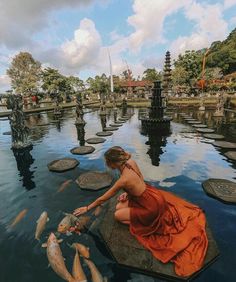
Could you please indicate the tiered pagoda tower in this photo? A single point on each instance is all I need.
(156, 119)
(167, 81)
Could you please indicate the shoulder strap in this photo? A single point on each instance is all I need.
(130, 167)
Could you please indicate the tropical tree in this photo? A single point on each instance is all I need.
(179, 76)
(191, 63)
(53, 83)
(151, 75)
(24, 73)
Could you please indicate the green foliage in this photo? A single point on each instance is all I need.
(55, 84)
(179, 76)
(223, 54)
(99, 84)
(151, 75)
(24, 73)
(190, 64)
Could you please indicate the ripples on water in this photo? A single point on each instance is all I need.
(177, 163)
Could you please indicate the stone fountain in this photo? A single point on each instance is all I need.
(156, 121)
(19, 129)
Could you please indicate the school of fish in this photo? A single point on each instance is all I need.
(68, 224)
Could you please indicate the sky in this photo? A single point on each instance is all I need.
(75, 36)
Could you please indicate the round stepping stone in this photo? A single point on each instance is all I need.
(95, 140)
(123, 119)
(62, 165)
(94, 180)
(205, 130)
(221, 189)
(225, 145)
(194, 122)
(7, 133)
(231, 155)
(116, 124)
(104, 133)
(82, 150)
(42, 124)
(214, 136)
(200, 125)
(110, 128)
(190, 119)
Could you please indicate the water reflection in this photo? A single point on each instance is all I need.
(24, 160)
(103, 120)
(81, 134)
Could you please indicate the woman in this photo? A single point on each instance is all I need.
(171, 228)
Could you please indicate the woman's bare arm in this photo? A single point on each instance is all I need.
(106, 196)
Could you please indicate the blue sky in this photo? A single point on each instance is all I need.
(74, 35)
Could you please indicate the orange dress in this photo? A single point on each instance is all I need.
(171, 228)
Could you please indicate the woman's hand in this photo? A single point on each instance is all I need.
(80, 211)
(123, 197)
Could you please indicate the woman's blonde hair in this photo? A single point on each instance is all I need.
(117, 154)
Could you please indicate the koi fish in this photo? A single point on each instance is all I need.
(83, 250)
(77, 270)
(96, 275)
(19, 217)
(72, 223)
(56, 259)
(64, 185)
(41, 223)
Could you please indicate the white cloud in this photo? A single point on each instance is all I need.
(20, 19)
(84, 48)
(4, 82)
(148, 20)
(204, 16)
(229, 3)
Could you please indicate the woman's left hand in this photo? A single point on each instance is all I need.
(80, 211)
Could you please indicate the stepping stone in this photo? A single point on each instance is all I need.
(62, 165)
(94, 180)
(205, 130)
(95, 140)
(4, 119)
(194, 122)
(110, 128)
(123, 119)
(116, 124)
(190, 119)
(132, 255)
(214, 136)
(225, 145)
(104, 133)
(120, 121)
(7, 133)
(231, 155)
(221, 189)
(82, 150)
(200, 125)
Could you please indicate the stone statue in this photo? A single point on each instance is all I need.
(19, 130)
(81, 134)
(219, 107)
(124, 107)
(79, 110)
(202, 107)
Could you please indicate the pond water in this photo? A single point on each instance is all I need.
(177, 163)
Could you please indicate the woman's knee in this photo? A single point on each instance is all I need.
(117, 215)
